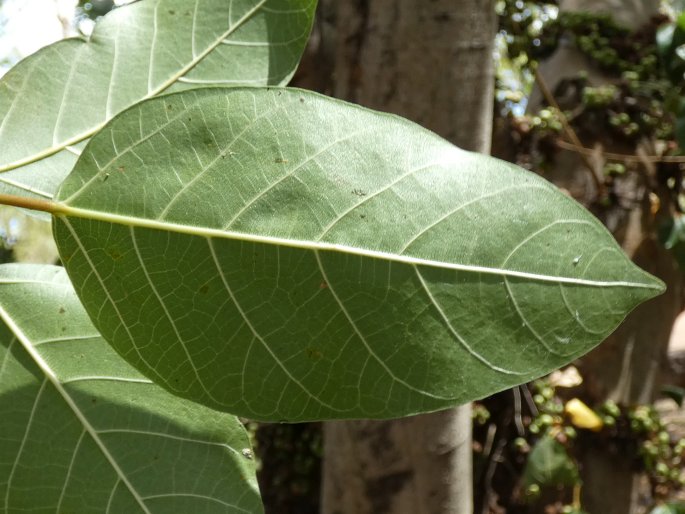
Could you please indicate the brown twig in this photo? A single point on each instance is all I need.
(34, 204)
(518, 419)
(570, 133)
(620, 156)
(493, 460)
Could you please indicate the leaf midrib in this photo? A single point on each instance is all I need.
(164, 86)
(60, 210)
(57, 384)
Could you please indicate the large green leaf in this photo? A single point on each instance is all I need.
(54, 100)
(283, 255)
(82, 431)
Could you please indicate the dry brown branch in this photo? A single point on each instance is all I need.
(570, 133)
(620, 156)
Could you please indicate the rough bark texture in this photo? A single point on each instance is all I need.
(625, 368)
(430, 61)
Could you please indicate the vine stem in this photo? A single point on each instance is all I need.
(678, 159)
(34, 204)
(570, 133)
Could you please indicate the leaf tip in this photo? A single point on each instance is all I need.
(656, 285)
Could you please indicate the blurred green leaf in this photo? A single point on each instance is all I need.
(677, 394)
(672, 236)
(680, 51)
(669, 508)
(670, 40)
(664, 38)
(550, 465)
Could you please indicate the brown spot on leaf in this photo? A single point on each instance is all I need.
(314, 354)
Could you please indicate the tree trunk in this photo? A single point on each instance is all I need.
(625, 367)
(432, 63)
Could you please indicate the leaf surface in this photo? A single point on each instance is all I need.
(53, 101)
(285, 256)
(550, 465)
(82, 431)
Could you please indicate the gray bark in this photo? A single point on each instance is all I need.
(430, 61)
(420, 464)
